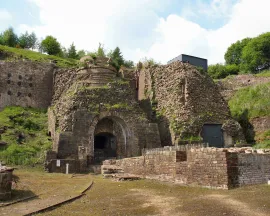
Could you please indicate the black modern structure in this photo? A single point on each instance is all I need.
(196, 61)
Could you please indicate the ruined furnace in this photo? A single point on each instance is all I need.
(96, 113)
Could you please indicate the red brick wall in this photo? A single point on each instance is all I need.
(206, 167)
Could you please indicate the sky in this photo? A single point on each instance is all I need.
(158, 29)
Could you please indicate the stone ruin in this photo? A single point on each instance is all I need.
(187, 104)
(96, 113)
(5, 182)
(219, 168)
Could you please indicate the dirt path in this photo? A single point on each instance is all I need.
(70, 188)
(241, 208)
(137, 198)
(164, 204)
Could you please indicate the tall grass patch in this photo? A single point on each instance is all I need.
(254, 100)
(25, 132)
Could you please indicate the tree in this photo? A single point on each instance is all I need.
(24, 40)
(32, 41)
(64, 52)
(233, 54)
(51, 46)
(81, 53)
(39, 46)
(256, 54)
(128, 64)
(116, 58)
(9, 38)
(1, 39)
(72, 53)
(101, 51)
(27, 41)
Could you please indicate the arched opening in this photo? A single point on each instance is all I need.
(104, 147)
(109, 139)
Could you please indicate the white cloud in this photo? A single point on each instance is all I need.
(248, 19)
(124, 23)
(135, 26)
(5, 15)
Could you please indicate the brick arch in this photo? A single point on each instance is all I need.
(115, 125)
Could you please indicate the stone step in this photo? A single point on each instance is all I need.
(95, 169)
(111, 169)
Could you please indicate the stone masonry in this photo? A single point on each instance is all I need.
(205, 167)
(184, 100)
(26, 84)
(96, 113)
(94, 103)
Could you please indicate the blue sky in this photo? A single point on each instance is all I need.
(156, 29)
(26, 12)
(22, 11)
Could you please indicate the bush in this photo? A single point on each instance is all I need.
(232, 69)
(217, 71)
(220, 71)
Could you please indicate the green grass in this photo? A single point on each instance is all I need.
(15, 53)
(263, 139)
(32, 124)
(265, 73)
(253, 100)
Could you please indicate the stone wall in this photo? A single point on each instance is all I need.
(74, 166)
(5, 184)
(253, 168)
(183, 100)
(26, 84)
(94, 99)
(206, 167)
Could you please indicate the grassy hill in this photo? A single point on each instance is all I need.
(249, 103)
(11, 54)
(254, 99)
(25, 132)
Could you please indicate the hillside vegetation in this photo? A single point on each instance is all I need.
(10, 54)
(25, 132)
(249, 103)
(249, 55)
(254, 100)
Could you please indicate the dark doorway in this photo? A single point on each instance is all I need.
(213, 135)
(104, 147)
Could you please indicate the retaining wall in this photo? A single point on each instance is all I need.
(206, 167)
